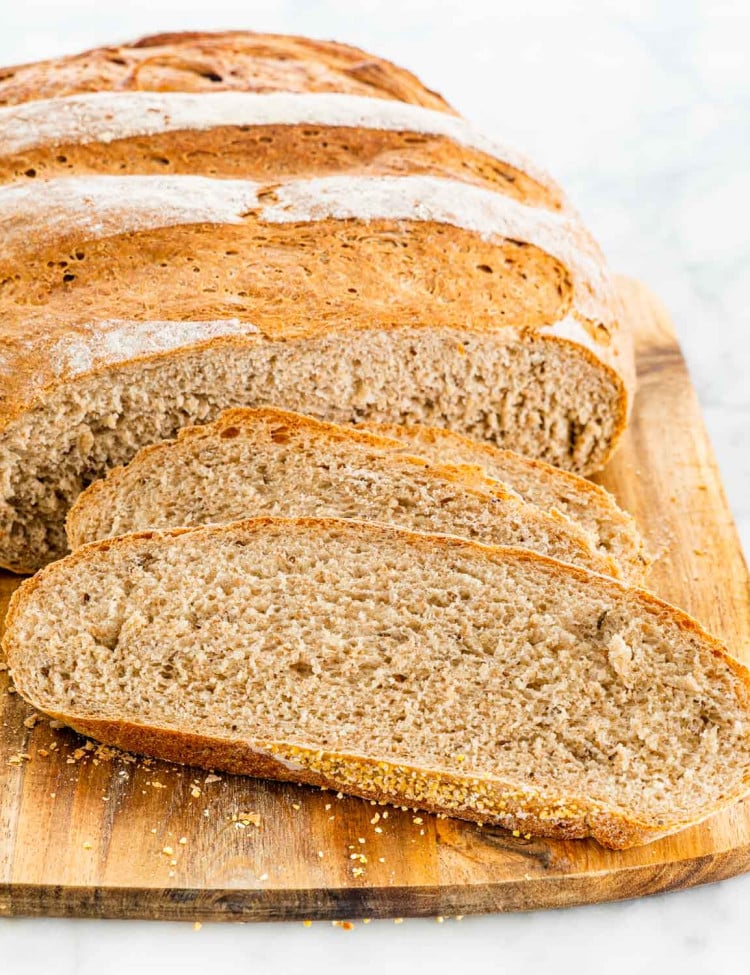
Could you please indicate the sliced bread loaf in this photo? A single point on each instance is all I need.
(490, 684)
(272, 462)
(614, 531)
(407, 299)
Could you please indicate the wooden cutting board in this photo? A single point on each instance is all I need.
(92, 834)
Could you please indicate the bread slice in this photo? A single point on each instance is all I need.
(200, 61)
(487, 683)
(131, 307)
(272, 462)
(613, 530)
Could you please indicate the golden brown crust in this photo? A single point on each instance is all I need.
(281, 151)
(561, 816)
(205, 61)
(468, 478)
(296, 312)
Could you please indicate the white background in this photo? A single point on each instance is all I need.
(642, 111)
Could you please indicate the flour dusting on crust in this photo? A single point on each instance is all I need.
(103, 206)
(106, 116)
(119, 340)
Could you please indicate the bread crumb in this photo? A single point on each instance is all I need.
(167, 851)
(30, 721)
(195, 792)
(398, 920)
(86, 845)
(366, 920)
(244, 819)
(307, 923)
(183, 840)
(209, 779)
(295, 805)
(19, 758)
(263, 876)
(197, 926)
(440, 919)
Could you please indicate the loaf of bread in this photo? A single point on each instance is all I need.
(273, 462)
(386, 298)
(378, 260)
(613, 531)
(491, 684)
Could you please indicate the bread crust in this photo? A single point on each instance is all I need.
(201, 60)
(260, 136)
(544, 814)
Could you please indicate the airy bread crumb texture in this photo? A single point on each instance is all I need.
(613, 530)
(513, 688)
(273, 462)
(492, 385)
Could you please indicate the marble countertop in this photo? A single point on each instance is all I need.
(644, 116)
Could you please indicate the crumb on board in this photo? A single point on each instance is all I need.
(244, 819)
(19, 758)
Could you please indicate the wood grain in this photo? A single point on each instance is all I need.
(98, 835)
